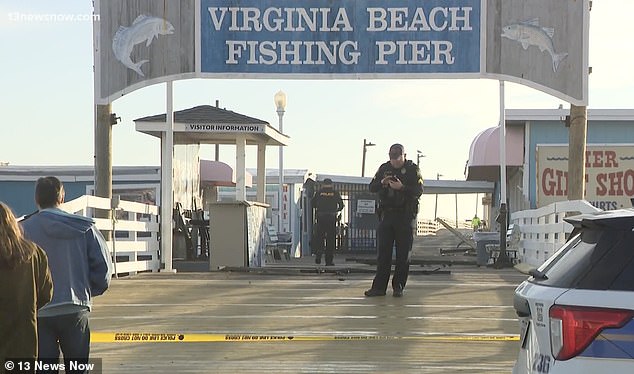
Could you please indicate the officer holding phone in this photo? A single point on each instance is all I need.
(399, 185)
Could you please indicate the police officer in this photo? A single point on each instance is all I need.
(327, 203)
(399, 185)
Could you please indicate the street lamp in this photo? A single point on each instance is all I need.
(419, 155)
(438, 175)
(365, 146)
(280, 105)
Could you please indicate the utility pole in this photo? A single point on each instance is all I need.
(366, 144)
(419, 155)
(577, 134)
(438, 175)
(103, 156)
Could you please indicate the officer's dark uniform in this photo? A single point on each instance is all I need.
(397, 214)
(327, 203)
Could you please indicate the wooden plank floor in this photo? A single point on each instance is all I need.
(462, 322)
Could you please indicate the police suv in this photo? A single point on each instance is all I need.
(576, 310)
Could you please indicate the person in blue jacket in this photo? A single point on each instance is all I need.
(80, 266)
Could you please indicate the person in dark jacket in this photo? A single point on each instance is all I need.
(81, 268)
(399, 185)
(25, 286)
(327, 203)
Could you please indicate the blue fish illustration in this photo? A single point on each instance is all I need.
(530, 33)
(144, 29)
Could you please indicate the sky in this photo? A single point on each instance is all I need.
(47, 103)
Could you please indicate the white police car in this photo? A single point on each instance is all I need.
(576, 310)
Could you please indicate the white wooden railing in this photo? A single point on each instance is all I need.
(543, 230)
(135, 247)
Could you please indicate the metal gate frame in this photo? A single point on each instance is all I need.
(355, 234)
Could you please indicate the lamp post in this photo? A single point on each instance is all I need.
(456, 196)
(419, 155)
(280, 105)
(366, 144)
(438, 175)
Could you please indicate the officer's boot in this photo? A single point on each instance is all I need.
(329, 259)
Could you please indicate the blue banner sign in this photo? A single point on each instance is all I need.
(366, 38)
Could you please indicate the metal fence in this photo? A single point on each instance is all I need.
(356, 230)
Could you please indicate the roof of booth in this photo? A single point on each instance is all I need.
(212, 125)
(204, 113)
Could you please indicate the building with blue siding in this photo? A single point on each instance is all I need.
(132, 183)
(537, 157)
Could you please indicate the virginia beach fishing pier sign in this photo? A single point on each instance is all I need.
(143, 42)
(340, 39)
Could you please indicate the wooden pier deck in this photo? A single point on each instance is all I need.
(461, 321)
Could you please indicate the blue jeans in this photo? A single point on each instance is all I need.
(70, 332)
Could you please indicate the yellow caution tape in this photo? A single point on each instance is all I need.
(143, 337)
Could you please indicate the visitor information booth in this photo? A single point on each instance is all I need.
(237, 229)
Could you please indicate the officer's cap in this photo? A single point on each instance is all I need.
(327, 181)
(396, 150)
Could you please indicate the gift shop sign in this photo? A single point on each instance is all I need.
(609, 178)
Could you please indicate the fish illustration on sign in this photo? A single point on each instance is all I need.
(531, 33)
(144, 29)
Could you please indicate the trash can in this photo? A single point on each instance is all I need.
(482, 239)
